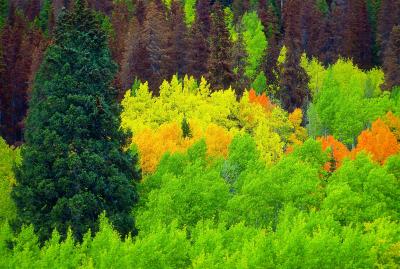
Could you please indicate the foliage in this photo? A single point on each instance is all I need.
(73, 164)
(346, 101)
(380, 142)
(8, 158)
(255, 43)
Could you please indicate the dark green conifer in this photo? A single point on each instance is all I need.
(74, 165)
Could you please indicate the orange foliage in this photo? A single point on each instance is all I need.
(393, 123)
(262, 100)
(153, 144)
(338, 151)
(380, 142)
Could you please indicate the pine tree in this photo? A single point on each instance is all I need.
(274, 37)
(220, 73)
(391, 63)
(178, 40)
(239, 7)
(357, 37)
(239, 57)
(389, 16)
(294, 91)
(132, 59)
(14, 77)
(140, 11)
(155, 35)
(198, 41)
(74, 166)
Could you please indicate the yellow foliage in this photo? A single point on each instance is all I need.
(152, 144)
(217, 140)
(299, 134)
(214, 115)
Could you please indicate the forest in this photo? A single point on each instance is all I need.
(200, 134)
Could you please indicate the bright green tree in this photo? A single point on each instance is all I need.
(74, 166)
(255, 43)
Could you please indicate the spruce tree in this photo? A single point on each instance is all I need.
(389, 16)
(74, 166)
(198, 41)
(391, 60)
(17, 46)
(220, 73)
(178, 39)
(154, 37)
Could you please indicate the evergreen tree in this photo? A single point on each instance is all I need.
(273, 34)
(357, 37)
(74, 166)
(155, 35)
(391, 63)
(140, 11)
(198, 42)
(120, 21)
(132, 60)
(389, 16)
(3, 12)
(239, 7)
(294, 91)
(220, 73)
(178, 40)
(17, 45)
(239, 57)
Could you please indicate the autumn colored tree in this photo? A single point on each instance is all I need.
(220, 73)
(391, 60)
(262, 100)
(338, 151)
(379, 141)
(393, 123)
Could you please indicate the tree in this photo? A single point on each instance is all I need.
(391, 60)
(294, 92)
(155, 34)
(357, 37)
(380, 142)
(17, 44)
(220, 73)
(338, 152)
(255, 43)
(178, 40)
(389, 16)
(74, 166)
(198, 42)
(239, 7)
(239, 57)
